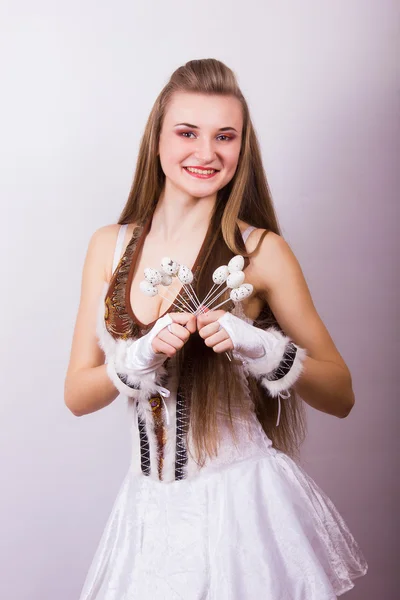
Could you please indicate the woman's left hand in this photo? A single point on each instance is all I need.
(213, 334)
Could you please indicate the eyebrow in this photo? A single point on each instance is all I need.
(196, 127)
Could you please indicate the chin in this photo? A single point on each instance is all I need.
(199, 190)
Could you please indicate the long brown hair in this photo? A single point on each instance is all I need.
(246, 197)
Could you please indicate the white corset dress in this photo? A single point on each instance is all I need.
(249, 525)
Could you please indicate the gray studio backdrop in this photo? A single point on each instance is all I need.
(78, 81)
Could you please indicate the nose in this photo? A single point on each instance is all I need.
(204, 152)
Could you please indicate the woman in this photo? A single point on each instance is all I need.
(213, 505)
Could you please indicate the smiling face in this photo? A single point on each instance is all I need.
(200, 142)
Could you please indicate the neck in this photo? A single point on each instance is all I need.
(179, 215)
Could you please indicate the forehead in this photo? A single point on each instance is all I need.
(204, 110)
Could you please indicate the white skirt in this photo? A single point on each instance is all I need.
(259, 529)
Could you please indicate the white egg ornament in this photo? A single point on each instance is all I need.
(249, 287)
(236, 264)
(235, 279)
(220, 275)
(185, 275)
(152, 276)
(148, 288)
(169, 266)
(240, 293)
(166, 280)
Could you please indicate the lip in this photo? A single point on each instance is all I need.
(199, 175)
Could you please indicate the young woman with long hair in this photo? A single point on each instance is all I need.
(214, 505)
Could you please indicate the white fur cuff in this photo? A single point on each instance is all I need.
(123, 389)
(277, 386)
(280, 361)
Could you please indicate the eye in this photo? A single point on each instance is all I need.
(187, 133)
(227, 138)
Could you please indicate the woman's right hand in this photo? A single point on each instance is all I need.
(172, 338)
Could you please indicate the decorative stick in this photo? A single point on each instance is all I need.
(186, 302)
(210, 292)
(221, 303)
(185, 276)
(195, 295)
(155, 278)
(186, 288)
(220, 275)
(234, 280)
(225, 272)
(173, 269)
(150, 290)
(237, 294)
(179, 298)
(211, 300)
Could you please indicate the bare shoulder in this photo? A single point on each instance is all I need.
(277, 259)
(102, 245)
(278, 279)
(105, 236)
(100, 249)
(260, 239)
(272, 259)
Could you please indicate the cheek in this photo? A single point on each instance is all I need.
(171, 152)
(168, 155)
(231, 157)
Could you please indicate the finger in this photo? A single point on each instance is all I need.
(191, 324)
(183, 318)
(161, 347)
(223, 346)
(179, 331)
(171, 339)
(209, 317)
(216, 339)
(210, 329)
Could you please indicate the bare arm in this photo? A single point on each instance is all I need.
(326, 381)
(87, 385)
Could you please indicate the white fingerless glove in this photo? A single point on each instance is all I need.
(134, 366)
(268, 355)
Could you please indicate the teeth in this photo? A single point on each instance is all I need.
(201, 171)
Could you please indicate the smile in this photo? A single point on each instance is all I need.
(201, 173)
